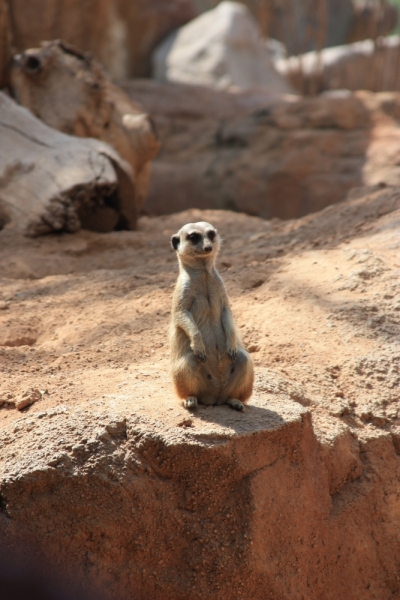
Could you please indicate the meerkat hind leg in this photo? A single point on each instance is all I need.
(190, 402)
(235, 404)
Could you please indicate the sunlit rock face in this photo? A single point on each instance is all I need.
(221, 48)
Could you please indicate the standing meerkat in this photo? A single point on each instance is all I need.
(209, 363)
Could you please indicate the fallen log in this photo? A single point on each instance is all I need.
(50, 181)
(69, 91)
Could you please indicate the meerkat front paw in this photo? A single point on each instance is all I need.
(198, 348)
(190, 402)
(201, 356)
(199, 351)
(232, 354)
(235, 404)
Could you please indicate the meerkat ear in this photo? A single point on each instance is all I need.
(175, 241)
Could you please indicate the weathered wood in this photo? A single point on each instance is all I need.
(69, 91)
(50, 181)
(120, 33)
(5, 44)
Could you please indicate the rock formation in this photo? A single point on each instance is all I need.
(265, 156)
(108, 481)
(69, 91)
(221, 48)
(50, 181)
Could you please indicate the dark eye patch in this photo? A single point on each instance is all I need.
(194, 237)
(211, 235)
(175, 241)
(32, 64)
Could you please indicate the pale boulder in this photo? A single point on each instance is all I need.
(222, 48)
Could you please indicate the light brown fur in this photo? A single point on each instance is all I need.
(209, 363)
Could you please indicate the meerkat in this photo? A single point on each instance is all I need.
(209, 363)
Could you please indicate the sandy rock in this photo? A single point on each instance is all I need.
(7, 398)
(53, 182)
(18, 334)
(193, 495)
(362, 65)
(339, 450)
(28, 397)
(119, 33)
(221, 48)
(69, 91)
(159, 496)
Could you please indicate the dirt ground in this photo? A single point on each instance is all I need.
(316, 299)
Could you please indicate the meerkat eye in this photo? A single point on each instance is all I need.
(211, 235)
(194, 238)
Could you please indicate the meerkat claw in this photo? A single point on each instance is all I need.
(190, 402)
(201, 356)
(236, 405)
(232, 353)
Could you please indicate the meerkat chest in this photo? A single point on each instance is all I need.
(207, 301)
(205, 307)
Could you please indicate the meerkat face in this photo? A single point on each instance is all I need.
(196, 241)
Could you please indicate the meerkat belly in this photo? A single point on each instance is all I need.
(208, 318)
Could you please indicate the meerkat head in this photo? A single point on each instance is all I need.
(196, 242)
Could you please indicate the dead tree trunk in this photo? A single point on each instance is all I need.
(50, 181)
(5, 44)
(69, 91)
